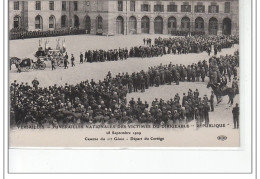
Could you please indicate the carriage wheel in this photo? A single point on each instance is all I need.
(27, 68)
(35, 67)
(42, 66)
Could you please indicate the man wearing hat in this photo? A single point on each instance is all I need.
(235, 113)
(72, 60)
(81, 57)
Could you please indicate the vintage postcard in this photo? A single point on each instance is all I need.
(124, 73)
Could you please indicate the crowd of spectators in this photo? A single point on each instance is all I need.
(105, 101)
(24, 34)
(163, 46)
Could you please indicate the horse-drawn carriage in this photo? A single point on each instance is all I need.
(42, 55)
(51, 55)
(26, 64)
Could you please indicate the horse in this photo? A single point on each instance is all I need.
(14, 60)
(20, 64)
(219, 93)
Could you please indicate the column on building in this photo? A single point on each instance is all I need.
(138, 25)
(165, 25)
(234, 28)
(192, 24)
(206, 25)
(220, 26)
(151, 30)
(178, 18)
(125, 25)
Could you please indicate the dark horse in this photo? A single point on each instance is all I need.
(14, 60)
(219, 93)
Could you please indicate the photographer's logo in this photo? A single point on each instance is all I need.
(222, 137)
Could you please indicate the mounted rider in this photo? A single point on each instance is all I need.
(235, 85)
(222, 84)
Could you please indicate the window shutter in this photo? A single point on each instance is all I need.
(217, 8)
(203, 8)
(142, 7)
(162, 8)
(209, 9)
(149, 8)
(189, 8)
(196, 8)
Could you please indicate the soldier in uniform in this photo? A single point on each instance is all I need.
(35, 83)
(177, 77)
(212, 101)
(203, 74)
(81, 58)
(206, 113)
(66, 62)
(52, 64)
(235, 113)
(72, 60)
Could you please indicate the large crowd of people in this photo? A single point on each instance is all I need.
(105, 101)
(186, 33)
(93, 103)
(163, 46)
(24, 34)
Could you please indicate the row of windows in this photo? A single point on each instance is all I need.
(145, 21)
(200, 8)
(51, 5)
(144, 7)
(52, 22)
(38, 5)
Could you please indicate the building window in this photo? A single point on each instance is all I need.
(172, 8)
(51, 22)
(87, 3)
(75, 5)
(132, 6)
(199, 8)
(51, 5)
(38, 22)
(120, 5)
(16, 5)
(16, 22)
(145, 7)
(213, 9)
(64, 21)
(158, 8)
(185, 8)
(64, 5)
(227, 7)
(38, 5)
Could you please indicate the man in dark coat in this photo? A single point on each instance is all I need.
(81, 58)
(212, 101)
(35, 83)
(235, 113)
(72, 60)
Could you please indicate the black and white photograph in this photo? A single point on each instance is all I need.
(124, 73)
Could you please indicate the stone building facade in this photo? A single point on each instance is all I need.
(127, 16)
